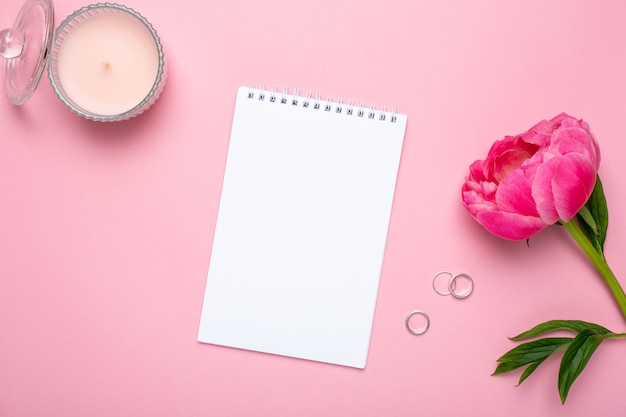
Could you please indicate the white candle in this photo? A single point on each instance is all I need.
(105, 62)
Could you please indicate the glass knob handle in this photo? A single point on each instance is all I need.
(11, 43)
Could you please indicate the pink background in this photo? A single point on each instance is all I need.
(106, 229)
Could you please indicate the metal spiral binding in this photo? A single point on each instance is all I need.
(327, 105)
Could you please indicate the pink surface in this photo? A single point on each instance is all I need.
(106, 230)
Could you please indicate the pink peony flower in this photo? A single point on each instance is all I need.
(535, 179)
(528, 182)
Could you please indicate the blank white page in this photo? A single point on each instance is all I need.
(301, 229)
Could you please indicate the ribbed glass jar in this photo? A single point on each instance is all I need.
(107, 63)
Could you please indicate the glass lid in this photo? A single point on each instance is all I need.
(25, 47)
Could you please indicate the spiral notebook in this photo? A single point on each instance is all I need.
(302, 226)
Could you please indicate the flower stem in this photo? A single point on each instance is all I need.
(598, 260)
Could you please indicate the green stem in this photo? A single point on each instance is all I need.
(599, 262)
(615, 336)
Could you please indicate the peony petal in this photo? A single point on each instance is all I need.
(579, 131)
(477, 171)
(514, 194)
(474, 200)
(542, 189)
(510, 226)
(489, 190)
(507, 156)
(540, 134)
(563, 119)
(594, 143)
(573, 182)
(573, 134)
(574, 146)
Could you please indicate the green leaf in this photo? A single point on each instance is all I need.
(578, 350)
(530, 353)
(589, 231)
(594, 217)
(529, 370)
(554, 325)
(587, 218)
(576, 358)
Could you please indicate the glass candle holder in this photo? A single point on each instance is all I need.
(107, 63)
